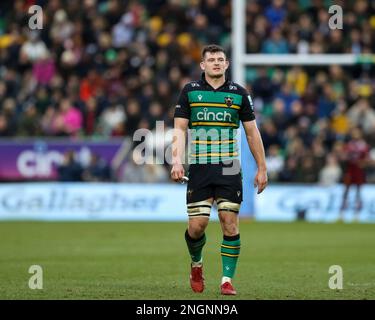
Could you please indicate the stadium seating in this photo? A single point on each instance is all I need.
(106, 68)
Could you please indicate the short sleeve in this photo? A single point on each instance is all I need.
(182, 108)
(247, 108)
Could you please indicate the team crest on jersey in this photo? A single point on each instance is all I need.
(228, 101)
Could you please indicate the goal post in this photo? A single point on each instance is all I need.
(241, 59)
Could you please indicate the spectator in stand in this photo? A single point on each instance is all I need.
(288, 97)
(276, 13)
(10, 115)
(307, 171)
(340, 122)
(68, 120)
(289, 172)
(44, 69)
(133, 116)
(270, 134)
(29, 122)
(69, 170)
(363, 116)
(112, 117)
(4, 126)
(279, 117)
(331, 173)
(276, 44)
(33, 49)
(275, 162)
(90, 115)
(97, 171)
(326, 103)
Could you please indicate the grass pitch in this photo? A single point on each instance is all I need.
(131, 260)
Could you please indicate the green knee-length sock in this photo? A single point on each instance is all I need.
(230, 251)
(195, 246)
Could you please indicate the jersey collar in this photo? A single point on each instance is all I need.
(219, 88)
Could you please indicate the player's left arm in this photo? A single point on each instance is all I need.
(255, 142)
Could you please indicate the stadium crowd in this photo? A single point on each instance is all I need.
(105, 68)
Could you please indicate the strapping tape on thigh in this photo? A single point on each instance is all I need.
(226, 205)
(200, 208)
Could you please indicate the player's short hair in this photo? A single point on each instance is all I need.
(212, 48)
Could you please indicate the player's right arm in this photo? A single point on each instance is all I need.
(181, 122)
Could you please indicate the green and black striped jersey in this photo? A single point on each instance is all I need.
(214, 118)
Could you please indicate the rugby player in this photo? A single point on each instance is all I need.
(212, 108)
